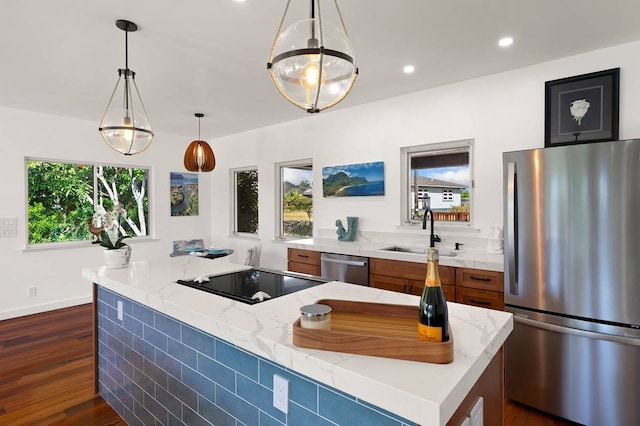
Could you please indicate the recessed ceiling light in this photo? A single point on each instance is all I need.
(408, 69)
(505, 41)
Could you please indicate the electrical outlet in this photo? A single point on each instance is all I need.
(120, 307)
(31, 291)
(281, 393)
(477, 413)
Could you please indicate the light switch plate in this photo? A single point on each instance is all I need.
(8, 227)
(120, 307)
(477, 413)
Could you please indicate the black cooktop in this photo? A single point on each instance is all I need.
(243, 286)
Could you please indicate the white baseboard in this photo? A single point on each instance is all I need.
(36, 309)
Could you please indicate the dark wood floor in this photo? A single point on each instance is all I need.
(46, 374)
(46, 371)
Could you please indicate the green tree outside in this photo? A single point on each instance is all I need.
(61, 199)
(247, 201)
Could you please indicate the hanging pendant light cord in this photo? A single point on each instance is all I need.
(126, 49)
(284, 15)
(126, 73)
(344, 28)
(312, 15)
(199, 129)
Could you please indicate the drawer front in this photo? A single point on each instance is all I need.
(388, 283)
(411, 270)
(447, 276)
(481, 298)
(482, 280)
(417, 288)
(304, 256)
(304, 268)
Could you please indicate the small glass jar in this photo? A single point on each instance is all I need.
(316, 316)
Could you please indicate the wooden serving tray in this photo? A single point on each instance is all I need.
(375, 329)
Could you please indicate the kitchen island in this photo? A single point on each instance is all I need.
(176, 354)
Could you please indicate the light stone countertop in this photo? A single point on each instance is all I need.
(476, 259)
(265, 329)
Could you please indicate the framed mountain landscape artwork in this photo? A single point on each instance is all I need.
(353, 180)
(184, 194)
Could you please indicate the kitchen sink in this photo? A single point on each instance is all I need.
(420, 250)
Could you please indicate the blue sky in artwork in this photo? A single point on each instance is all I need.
(373, 172)
(184, 178)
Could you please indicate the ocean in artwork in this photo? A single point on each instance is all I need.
(352, 180)
(184, 194)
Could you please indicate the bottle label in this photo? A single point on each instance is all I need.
(429, 334)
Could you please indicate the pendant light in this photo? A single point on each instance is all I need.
(312, 62)
(125, 126)
(199, 155)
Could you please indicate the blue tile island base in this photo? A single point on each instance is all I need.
(155, 370)
(170, 354)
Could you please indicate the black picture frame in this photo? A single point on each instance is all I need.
(569, 121)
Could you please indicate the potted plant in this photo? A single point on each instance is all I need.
(116, 252)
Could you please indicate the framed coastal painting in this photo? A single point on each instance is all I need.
(184, 194)
(582, 108)
(352, 180)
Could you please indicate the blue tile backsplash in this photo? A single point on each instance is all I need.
(154, 370)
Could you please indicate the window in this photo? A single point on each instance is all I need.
(437, 176)
(62, 198)
(295, 198)
(245, 201)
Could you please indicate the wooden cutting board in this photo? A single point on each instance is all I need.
(375, 329)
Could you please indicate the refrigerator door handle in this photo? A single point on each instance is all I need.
(512, 227)
(576, 332)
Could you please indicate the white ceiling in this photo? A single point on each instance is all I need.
(210, 56)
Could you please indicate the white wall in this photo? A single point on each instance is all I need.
(502, 112)
(57, 272)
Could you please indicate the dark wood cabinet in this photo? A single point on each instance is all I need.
(408, 277)
(303, 261)
(462, 285)
(480, 288)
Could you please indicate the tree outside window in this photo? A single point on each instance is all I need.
(62, 198)
(246, 201)
(296, 208)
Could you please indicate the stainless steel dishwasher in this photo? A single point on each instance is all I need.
(346, 268)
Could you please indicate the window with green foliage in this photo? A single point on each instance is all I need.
(63, 197)
(245, 201)
(296, 195)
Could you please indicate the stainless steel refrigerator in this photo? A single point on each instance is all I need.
(572, 280)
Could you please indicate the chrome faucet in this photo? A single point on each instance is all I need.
(433, 238)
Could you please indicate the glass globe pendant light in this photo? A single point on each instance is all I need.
(311, 62)
(125, 126)
(199, 155)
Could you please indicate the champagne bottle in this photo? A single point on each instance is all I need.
(433, 320)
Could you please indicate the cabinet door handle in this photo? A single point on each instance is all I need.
(479, 302)
(479, 278)
(303, 255)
